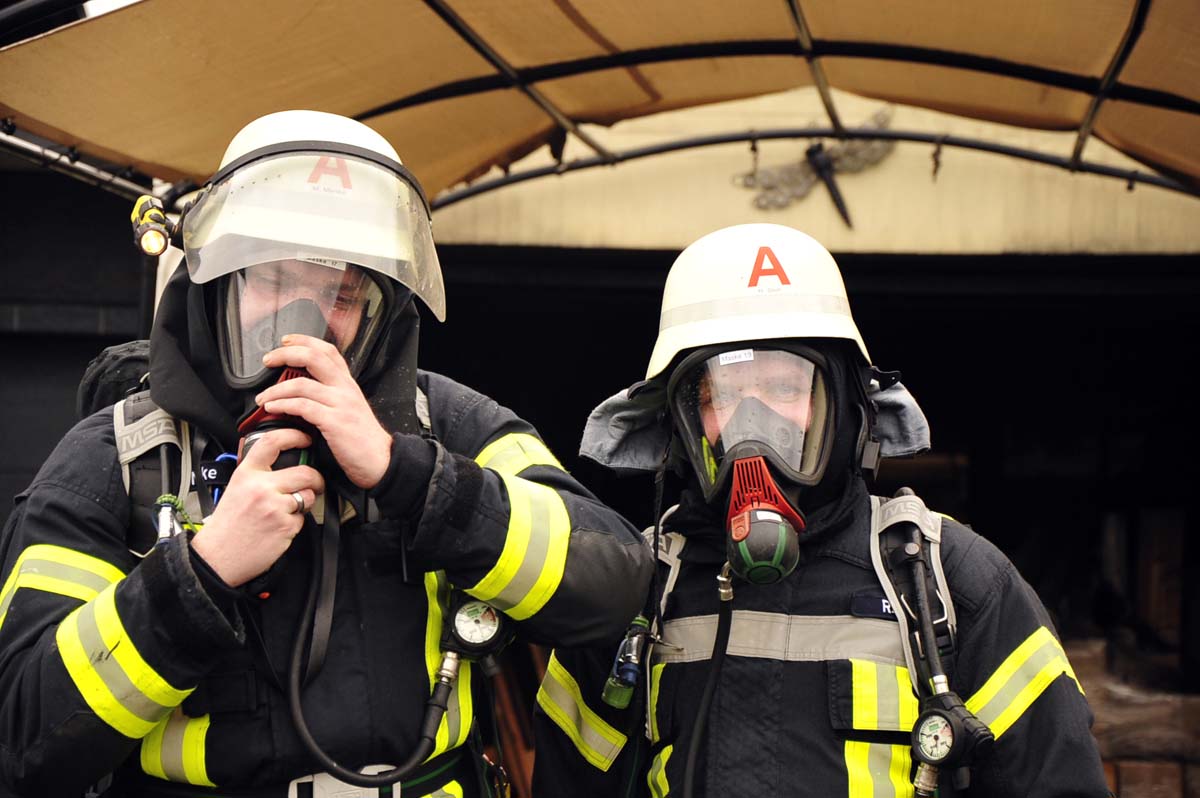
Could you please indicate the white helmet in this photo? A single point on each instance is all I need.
(751, 282)
(311, 184)
(306, 201)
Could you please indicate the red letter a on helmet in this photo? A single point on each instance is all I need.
(329, 165)
(765, 254)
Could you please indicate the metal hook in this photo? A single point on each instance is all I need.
(937, 156)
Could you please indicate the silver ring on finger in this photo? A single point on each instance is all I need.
(299, 499)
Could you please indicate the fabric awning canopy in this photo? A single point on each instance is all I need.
(461, 86)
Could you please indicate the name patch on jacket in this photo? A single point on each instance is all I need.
(872, 604)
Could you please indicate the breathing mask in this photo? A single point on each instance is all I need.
(757, 427)
(332, 300)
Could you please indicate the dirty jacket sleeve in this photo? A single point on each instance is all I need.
(491, 506)
(1012, 672)
(97, 647)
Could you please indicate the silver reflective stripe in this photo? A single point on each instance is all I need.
(422, 405)
(754, 305)
(879, 762)
(1048, 656)
(887, 696)
(172, 747)
(791, 638)
(534, 558)
(111, 673)
(878, 770)
(52, 570)
(600, 751)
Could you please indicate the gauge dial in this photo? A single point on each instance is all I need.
(476, 622)
(936, 737)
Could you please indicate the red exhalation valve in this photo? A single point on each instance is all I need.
(260, 415)
(754, 489)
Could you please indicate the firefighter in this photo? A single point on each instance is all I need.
(298, 606)
(776, 654)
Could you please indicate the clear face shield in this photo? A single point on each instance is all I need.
(310, 242)
(754, 402)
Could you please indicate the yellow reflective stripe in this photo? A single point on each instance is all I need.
(108, 670)
(451, 789)
(56, 569)
(858, 773)
(174, 750)
(882, 697)
(151, 751)
(910, 707)
(877, 770)
(456, 723)
(530, 566)
(120, 647)
(656, 672)
(513, 453)
(1019, 680)
(561, 699)
(865, 692)
(657, 777)
(461, 695)
(902, 786)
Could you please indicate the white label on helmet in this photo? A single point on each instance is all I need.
(770, 516)
(739, 356)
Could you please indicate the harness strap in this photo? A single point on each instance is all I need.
(331, 535)
(670, 545)
(885, 514)
(139, 428)
(204, 497)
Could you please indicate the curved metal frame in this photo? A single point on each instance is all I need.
(802, 45)
(1129, 176)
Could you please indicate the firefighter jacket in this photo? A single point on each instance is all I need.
(814, 698)
(109, 659)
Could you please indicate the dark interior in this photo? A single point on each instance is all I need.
(1058, 388)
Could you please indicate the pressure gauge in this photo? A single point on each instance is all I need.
(473, 628)
(476, 623)
(935, 737)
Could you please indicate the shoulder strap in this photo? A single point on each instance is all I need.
(670, 544)
(141, 428)
(886, 538)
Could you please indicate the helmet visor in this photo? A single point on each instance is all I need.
(333, 301)
(315, 207)
(751, 402)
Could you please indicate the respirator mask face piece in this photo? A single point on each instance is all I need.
(330, 300)
(757, 427)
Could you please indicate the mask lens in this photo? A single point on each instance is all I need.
(334, 301)
(770, 400)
